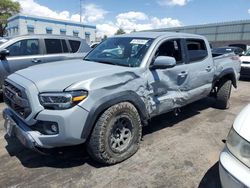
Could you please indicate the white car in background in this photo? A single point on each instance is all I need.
(245, 64)
(235, 158)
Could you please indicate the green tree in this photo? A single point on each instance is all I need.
(120, 31)
(7, 9)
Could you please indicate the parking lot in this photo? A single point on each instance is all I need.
(178, 151)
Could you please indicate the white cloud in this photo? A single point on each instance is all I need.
(92, 13)
(138, 21)
(106, 29)
(128, 21)
(173, 2)
(248, 11)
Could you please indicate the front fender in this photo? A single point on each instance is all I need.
(106, 102)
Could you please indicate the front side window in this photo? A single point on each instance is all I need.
(53, 46)
(196, 49)
(170, 48)
(24, 47)
(122, 51)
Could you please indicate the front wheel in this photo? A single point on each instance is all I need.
(116, 134)
(223, 94)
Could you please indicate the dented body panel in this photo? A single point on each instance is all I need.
(151, 91)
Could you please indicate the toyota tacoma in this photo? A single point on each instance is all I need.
(105, 99)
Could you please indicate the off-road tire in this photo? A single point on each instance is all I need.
(223, 94)
(99, 147)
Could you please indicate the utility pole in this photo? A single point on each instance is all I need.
(81, 1)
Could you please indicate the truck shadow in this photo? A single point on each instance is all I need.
(73, 156)
(65, 157)
(211, 179)
(170, 119)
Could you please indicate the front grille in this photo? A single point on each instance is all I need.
(16, 98)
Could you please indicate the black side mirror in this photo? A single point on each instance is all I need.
(4, 53)
(163, 62)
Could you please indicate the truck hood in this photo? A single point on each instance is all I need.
(57, 76)
(242, 123)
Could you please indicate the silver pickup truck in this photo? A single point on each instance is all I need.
(105, 99)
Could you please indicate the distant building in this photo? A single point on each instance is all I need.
(21, 24)
(219, 34)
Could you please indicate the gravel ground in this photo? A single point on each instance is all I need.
(178, 151)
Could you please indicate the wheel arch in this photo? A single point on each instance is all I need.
(227, 74)
(108, 101)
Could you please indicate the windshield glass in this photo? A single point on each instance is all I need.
(247, 53)
(122, 51)
(222, 50)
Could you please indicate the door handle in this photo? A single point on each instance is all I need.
(36, 60)
(183, 74)
(209, 68)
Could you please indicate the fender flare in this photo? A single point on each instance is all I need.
(229, 73)
(108, 101)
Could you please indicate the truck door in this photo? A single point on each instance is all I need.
(55, 50)
(200, 67)
(170, 86)
(23, 53)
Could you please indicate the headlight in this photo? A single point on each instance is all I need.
(61, 101)
(239, 147)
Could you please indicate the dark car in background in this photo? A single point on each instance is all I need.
(24, 51)
(227, 50)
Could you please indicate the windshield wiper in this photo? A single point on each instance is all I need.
(107, 62)
(87, 60)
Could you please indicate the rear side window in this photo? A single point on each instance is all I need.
(53, 46)
(196, 49)
(74, 44)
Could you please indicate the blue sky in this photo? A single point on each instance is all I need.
(109, 15)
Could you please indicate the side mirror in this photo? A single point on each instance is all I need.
(163, 62)
(4, 53)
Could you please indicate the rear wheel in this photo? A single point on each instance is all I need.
(223, 94)
(116, 135)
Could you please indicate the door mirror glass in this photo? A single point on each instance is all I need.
(4, 53)
(163, 62)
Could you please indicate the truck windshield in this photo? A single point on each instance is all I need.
(122, 51)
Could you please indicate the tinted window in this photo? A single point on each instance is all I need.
(65, 47)
(24, 47)
(53, 46)
(196, 49)
(74, 44)
(170, 48)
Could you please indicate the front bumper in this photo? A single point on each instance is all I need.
(245, 71)
(233, 173)
(70, 124)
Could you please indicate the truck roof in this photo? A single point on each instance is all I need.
(159, 34)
